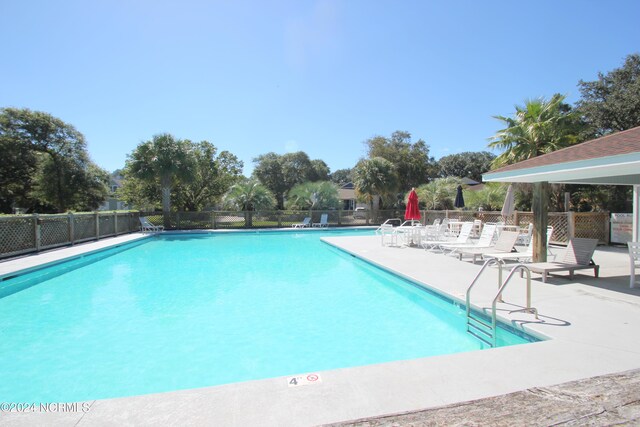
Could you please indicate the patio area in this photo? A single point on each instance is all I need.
(591, 324)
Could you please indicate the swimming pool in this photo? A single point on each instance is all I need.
(185, 311)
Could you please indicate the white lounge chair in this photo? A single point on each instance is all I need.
(505, 243)
(634, 255)
(485, 240)
(147, 227)
(438, 231)
(523, 256)
(306, 222)
(577, 256)
(463, 237)
(323, 221)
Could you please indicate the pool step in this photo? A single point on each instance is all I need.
(480, 329)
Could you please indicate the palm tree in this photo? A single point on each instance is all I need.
(375, 177)
(250, 195)
(490, 197)
(164, 159)
(313, 195)
(437, 192)
(539, 126)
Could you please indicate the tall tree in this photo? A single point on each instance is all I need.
(375, 177)
(163, 159)
(612, 103)
(268, 170)
(210, 177)
(319, 171)
(341, 176)
(466, 165)
(539, 126)
(57, 169)
(280, 173)
(413, 164)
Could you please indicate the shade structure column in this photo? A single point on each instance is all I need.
(636, 213)
(540, 209)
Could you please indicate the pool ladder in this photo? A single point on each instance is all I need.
(477, 323)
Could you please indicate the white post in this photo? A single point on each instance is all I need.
(636, 213)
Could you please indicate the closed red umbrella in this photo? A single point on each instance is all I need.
(413, 211)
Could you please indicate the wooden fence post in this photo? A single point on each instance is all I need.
(71, 227)
(36, 232)
(97, 219)
(571, 225)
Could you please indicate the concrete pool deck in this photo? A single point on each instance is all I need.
(592, 325)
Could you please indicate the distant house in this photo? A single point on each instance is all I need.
(347, 196)
(469, 181)
(471, 184)
(112, 203)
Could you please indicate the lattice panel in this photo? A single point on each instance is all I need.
(193, 220)
(288, 218)
(560, 224)
(263, 219)
(124, 223)
(17, 234)
(54, 230)
(230, 220)
(525, 218)
(351, 218)
(486, 216)
(462, 215)
(380, 216)
(156, 218)
(429, 216)
(84, 227)
(107, 225)
(592, 225)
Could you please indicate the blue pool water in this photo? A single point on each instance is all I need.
(188, 311)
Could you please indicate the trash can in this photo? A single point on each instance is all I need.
(621, 228)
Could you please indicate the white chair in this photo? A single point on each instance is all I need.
(323, 221)
(577, 256)
(503, 245)
(463, 237)
(524, 256)
(485, 240)
(147, 226)
(634, 258)
(306, 222)
(410, 232)
(387, 229)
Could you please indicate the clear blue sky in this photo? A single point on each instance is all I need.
(318, 76)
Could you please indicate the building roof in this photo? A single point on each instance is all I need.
(469, 181)
(612, 159)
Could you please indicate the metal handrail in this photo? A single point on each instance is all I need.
(485, 265)
(498, 297)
